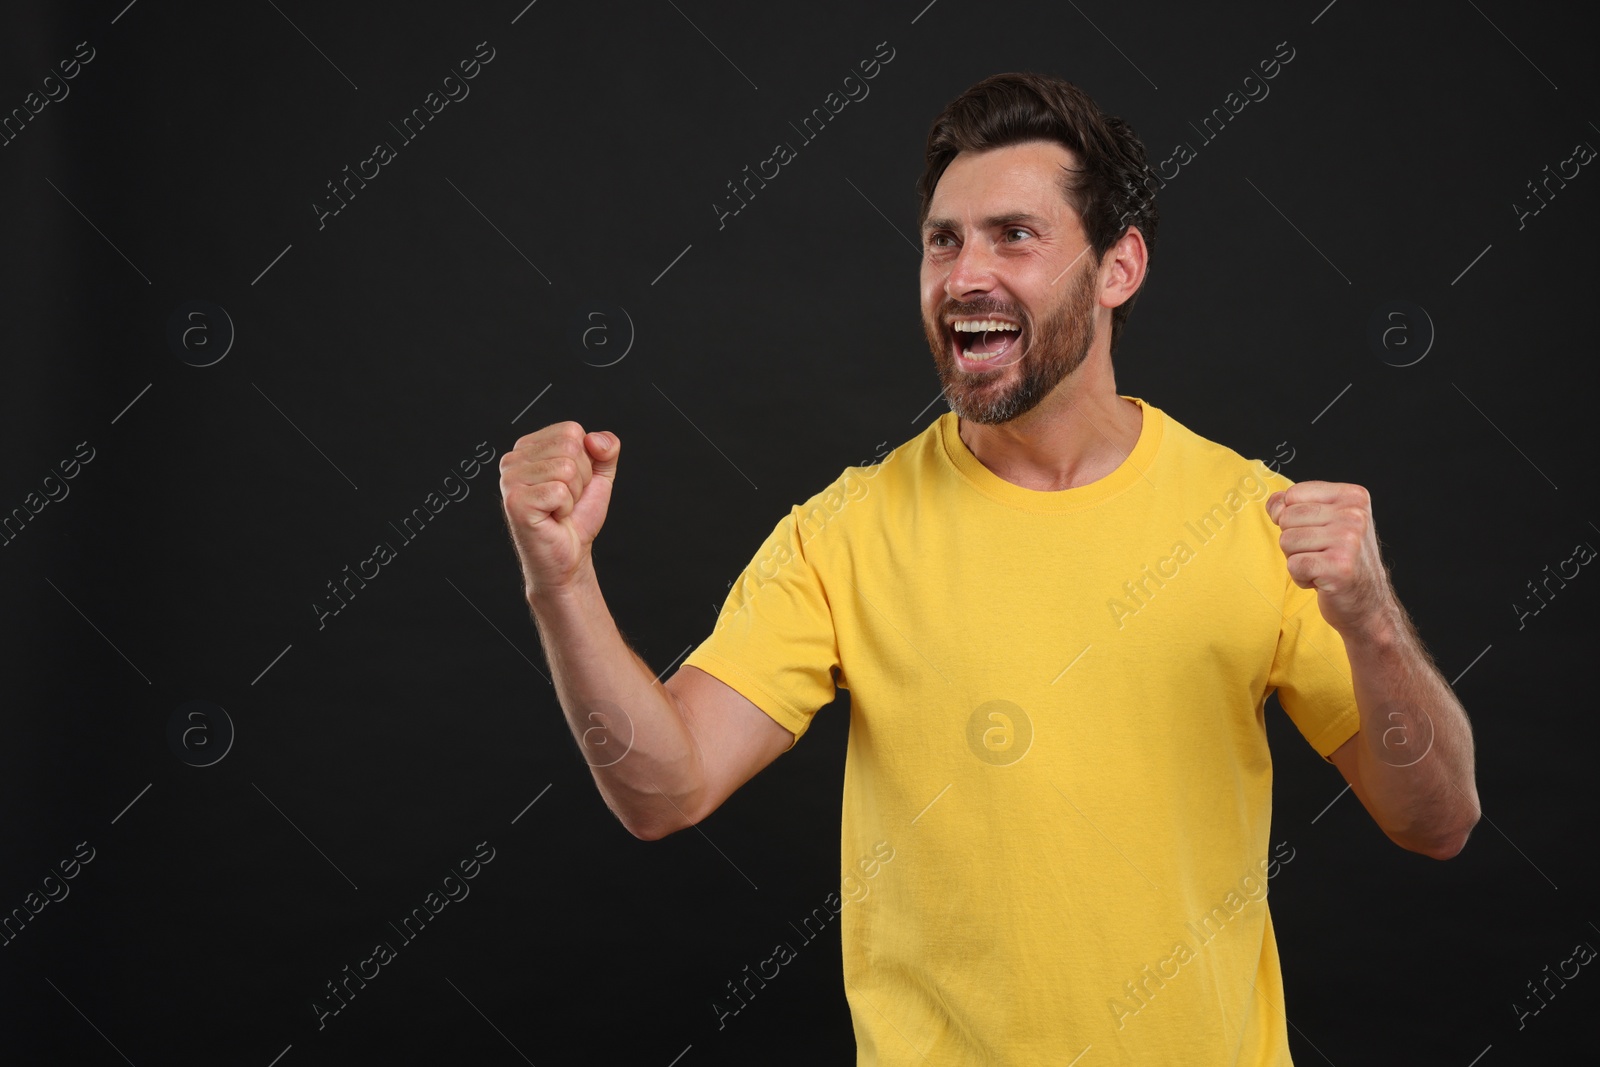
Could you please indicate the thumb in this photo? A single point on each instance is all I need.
(604, 447)
(590, 511)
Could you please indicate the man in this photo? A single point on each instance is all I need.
(1059, 614)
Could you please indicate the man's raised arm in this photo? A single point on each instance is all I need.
(1411, 761)
(663, 756)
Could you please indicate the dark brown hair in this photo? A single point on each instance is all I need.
(1110, 189)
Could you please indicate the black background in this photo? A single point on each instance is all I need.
(376, 352)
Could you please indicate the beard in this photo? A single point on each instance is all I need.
(1054, 350)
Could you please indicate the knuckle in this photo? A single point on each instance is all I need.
(549, 496)
(542, 438)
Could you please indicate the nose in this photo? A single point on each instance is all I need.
(972, 271)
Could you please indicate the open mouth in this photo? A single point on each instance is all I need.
(983, 342)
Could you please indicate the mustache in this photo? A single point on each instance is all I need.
(981, 307)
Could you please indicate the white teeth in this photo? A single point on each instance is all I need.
(987, 325)
(984, 326)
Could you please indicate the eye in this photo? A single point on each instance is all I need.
(1017, 229)
(935, 238)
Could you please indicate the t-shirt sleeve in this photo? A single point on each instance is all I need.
(774, 640)
(1310, 668)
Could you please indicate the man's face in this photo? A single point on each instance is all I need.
(1002, 246)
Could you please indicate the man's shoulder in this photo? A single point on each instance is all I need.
(887, 468)
(866, 494)
(1206, 460)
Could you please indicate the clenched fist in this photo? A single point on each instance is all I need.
(555, 487)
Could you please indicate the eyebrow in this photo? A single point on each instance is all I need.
(990, 223)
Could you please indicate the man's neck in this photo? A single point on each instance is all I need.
(1078, 434)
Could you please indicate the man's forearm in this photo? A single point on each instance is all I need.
(629, 728)
(1415, 751)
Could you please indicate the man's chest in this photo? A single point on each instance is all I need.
(994, 635)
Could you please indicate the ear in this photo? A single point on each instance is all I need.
(1126, 263)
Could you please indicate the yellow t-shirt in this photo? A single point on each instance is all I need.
(1057, 733)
